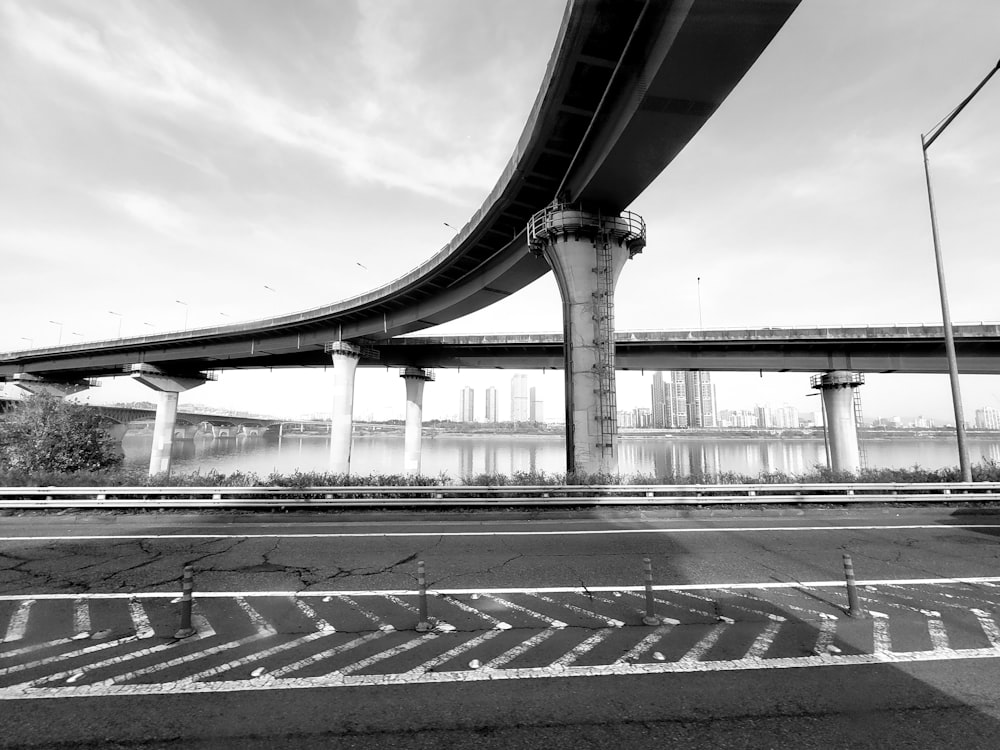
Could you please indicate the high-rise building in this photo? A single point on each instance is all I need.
(520, 408)
(700, 397)
(536, 411)
(988, 418)
(677, 400)
(491, 405)
(660, 393)
(467, 411)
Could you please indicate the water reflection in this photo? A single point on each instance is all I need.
(467, 456)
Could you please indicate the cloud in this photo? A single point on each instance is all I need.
(151, 211)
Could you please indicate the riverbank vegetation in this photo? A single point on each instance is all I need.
(118, 476)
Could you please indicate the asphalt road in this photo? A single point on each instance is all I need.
(950, 699)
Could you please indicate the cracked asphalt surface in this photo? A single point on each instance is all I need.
(932, 704)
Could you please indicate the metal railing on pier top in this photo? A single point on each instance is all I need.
(269, 498)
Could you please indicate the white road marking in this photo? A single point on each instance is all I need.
(379, 622)
(672, 605)
(254, 657)
(763, 641)
(609, 621)
(18, 624)
(752, 610)
(640, 649)
(699, 649)
(81, 616)
(302, 663)
(187, 658)
(262, 625)
(510, 654)
(456, 651)
(881, 642)
(140, 621)
(552, 622)
(344, 594)
(68, 655)
(309, 612)
(938, 634)
(387, 654)
(989, 626)
(579, 650)
(338, 680)
(560, 532)
(824, 639)
(497, 624)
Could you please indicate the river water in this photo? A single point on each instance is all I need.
(460, 456)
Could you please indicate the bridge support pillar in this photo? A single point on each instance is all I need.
(345, 364)
(168, 389)
(415, 378)
(36, 385)
(840, 421)
(587, 252)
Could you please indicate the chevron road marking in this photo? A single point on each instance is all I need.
(456, 651)
(824, 640)
(763, 641)
(315, 658)
(699, 649)
(511, 654)
(262, 625)
(309, 612)
(69, 655)
(553, 623)
(81, 617)
(382, 656)
(140, 620)
(251, 658)
(19, 622)
(989, 626)
(497, 624)
(611, 622)
(379, 622)
(579, 650)
(882, 643)
(639, 650)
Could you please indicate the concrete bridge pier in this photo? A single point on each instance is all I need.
(168, 388)
(587, 252)
(345, 358)
(840, 422)
(415, 378)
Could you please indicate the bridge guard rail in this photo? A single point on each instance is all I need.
(502, 496)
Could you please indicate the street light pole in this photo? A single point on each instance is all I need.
(57, 323)
(119, 316)
(949, 335)
(180, 302)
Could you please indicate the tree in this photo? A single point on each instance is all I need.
(47, 433)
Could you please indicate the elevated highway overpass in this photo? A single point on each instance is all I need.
(629, 83)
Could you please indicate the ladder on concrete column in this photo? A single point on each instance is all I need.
(859, 424)
(604, 316)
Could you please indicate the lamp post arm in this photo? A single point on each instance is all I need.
(933, 136)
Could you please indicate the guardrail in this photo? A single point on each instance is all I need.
(496, 496)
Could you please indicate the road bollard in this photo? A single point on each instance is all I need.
(424, 624)
(187, 586)
(650, 617)
(854, 608)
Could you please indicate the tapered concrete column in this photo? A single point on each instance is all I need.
(345, 363)
(587, 252)
(168, 387)
(37, 385)
(415, 379)
(840, 423)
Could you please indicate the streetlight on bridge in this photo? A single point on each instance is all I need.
(186, 309)
(119, 316)
(949, 336)
(57, 323)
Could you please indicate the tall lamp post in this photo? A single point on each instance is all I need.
(949, 337)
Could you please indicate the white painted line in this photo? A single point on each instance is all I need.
(111, 661)
(510, 654)
(66, 656)
(400, 603)
(379, 622)
(81, 616)
(989, 626)
(763, 641)
(497, 624)
(701, 648)
(140, 621)
(309, 612)
(609, 621)
(938, 634)
(387, 654)
(344, 594)
(264, 628)
(254, 657)
(560, 532)
(200, 622)
(186, 659)
(752, 610)
(882, 643)
(456, 651)
(338, 680)
(18, 624)
(673, 605)
(639, 650)
(577, 651)
(784, 594)
(35, 647)
(322, 655)
(552, 623)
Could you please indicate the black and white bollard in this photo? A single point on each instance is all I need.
(424, 625)
(854, 608)
(187, 586)
(650, 617)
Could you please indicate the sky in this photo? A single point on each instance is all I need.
(198, 162)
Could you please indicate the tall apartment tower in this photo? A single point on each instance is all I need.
(700, 393)
(520, 408)
(536, 412)
(677, 399)
(660, 394)
(467, 411)
(491, 405)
